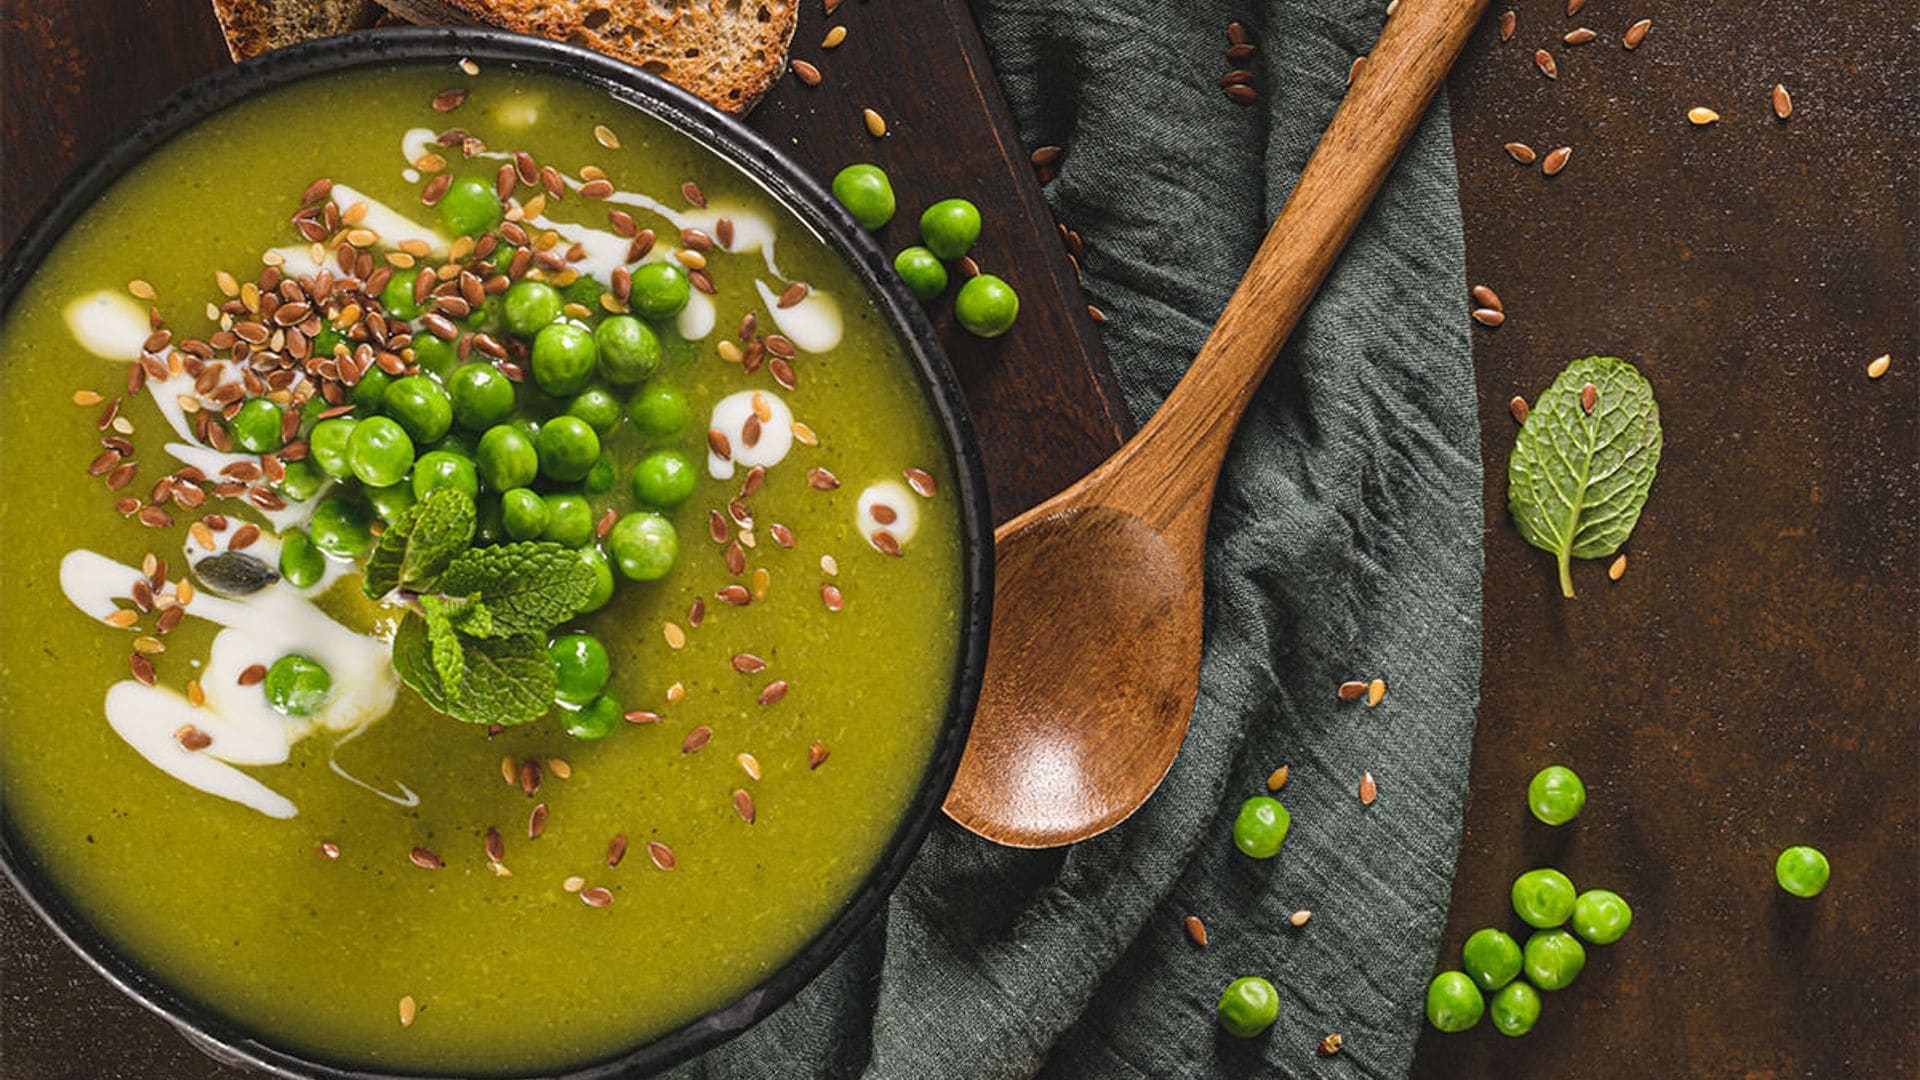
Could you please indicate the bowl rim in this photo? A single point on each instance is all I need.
(803, 196)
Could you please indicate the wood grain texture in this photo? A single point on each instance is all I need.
(1095, 659)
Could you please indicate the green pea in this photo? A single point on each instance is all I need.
(397, 297)
(569, 521)
(567, 447)
(325, 341)
(986, 306)
(301, 564)
(596, 561)
(524, 513)
(301, 481)
(1453, 1002)
(490, 315)
(530, 305)
(296, 686)
(482, 396)
(580, 668)
(597, 719)
(629, 350)
(1261, 827)
(866, 193)
(644, 546)
(256, 427)
(598, 408)
(949, 227)
(1601, 916)
(506, 458)
(563, 358)
(1802, 871)
(1515, 1009)
(664, 479)
(380, 451)
(660, 290)
(421, 405)
(439, 356)
(455, 442)
(1248, 1007)
(327, 443)
(658, 412)
(438, 469)
(370, 393)
(1556, 795)
(922, 272)
(489, 522)
(599, 479)
(1543, 898)
(1553, 958)
(388, 503)
(470, 207)
(339, 528)
(1491, 957)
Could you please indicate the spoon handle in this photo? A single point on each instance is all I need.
(1390, 94)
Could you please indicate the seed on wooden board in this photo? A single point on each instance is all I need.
(1197, 930)
(1520, 152)
(1241, 94)
(1782, 101)
(834, 37)
(1331, 1044)
(817, 755)
(1376, 692)
(661, 854)
(1618, 569)
(1519, 408)
(1574, 6)
(806, 72)
(1299, 918)
(1368, 789)
(537, 821)
(1589, 396)
(1352, 690)
(968, 267)
(1487, 298)
(1580, 36)
(1556, 160)
(1543, 60)
(1878, 365)
(1277, 779)
(425, 859)
(597, 897)
(876, 124)
(616, 849)
(1487, 316)
(1701, 116)
(1636, 33)
(1508, 20)
(409, 1009)
(1353, 69)
(743, 805)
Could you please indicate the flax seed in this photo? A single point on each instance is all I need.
(1519, 408)
(1556, 160)
(1879, 365)
(1487, 298)
(1369, 790)
(1618, 569)
(661, 854)
(425, 859)
(876, 124)
(1376, 692)
(1196, 930)
(1543, 60)
(1589, 397)
(1277, 779)
(1701, 116)
(1487, 316)
(1299, 918)
(817, 755)
(1508, 21)
(806, 72)
(1782, 101)
(1520, 152)
(1352, 690)
(748, 764)
(1579, 36)
(1636, 33)
(616, 849)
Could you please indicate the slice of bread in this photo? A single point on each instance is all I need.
(727, 51)
(254, 26)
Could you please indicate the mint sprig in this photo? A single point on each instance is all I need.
(473, 641)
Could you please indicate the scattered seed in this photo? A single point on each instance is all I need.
(604, 135)
(1574, 6)
(425, 859)
(817, 755)
(1782, 101)
(329, 849)
(1543, 60)
(821, 479)
(530, 774)
(1508, 21)
(1353, 69)
(1520, 152)
(616, 849)
(496, 846)
(1487, 316)
(508, 771)
(1376, 692)
(676, 637)
(1197, 930)
(1237, 34)
(1589, 396)
(1299, 918)
(661, 854)
(409, 1009)
(1556, 160)
(1277, 779)
(794, 293)
(806, 72)
(834, 37)
(596, 897)
(1701, 116)
(773, 692)
(1045, 155)
(192, 739)
(1487, 298)
(1330, 1045)
(876, 124)
(573, 883)
(743, 805)
(1879, 365)
(1352, 690)
(123, 618)
(537, 821)
(1519, 408)
(253, 675)
(747, 663)
(1579, 36)
(831, 596)
(85, 398)
(696, 740)
(642, 716)
(1241, 53)
(1618, 569)
(1368, 789)
(1241, 94)
(560, 768)
(748, 764)
(1636, 33)
(141, 289)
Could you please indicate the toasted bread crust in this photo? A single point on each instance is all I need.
(255, 26)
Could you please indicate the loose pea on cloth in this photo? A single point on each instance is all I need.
(1345, 544)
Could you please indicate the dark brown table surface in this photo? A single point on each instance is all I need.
(1751, 682)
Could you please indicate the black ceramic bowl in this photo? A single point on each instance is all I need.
(785, 182)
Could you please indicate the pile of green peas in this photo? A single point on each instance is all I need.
(1502, 977)
(985, 306)
(533, 454)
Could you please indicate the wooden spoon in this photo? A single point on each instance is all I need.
(1095, 655)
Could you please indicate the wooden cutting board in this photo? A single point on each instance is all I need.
(1043, 397)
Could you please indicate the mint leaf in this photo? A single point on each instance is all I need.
(1576, 482)
(473, 618)
(449, 663)
(503, 681)
(528, 587)
(420, 543)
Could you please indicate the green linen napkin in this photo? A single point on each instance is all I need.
(1345, 544)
